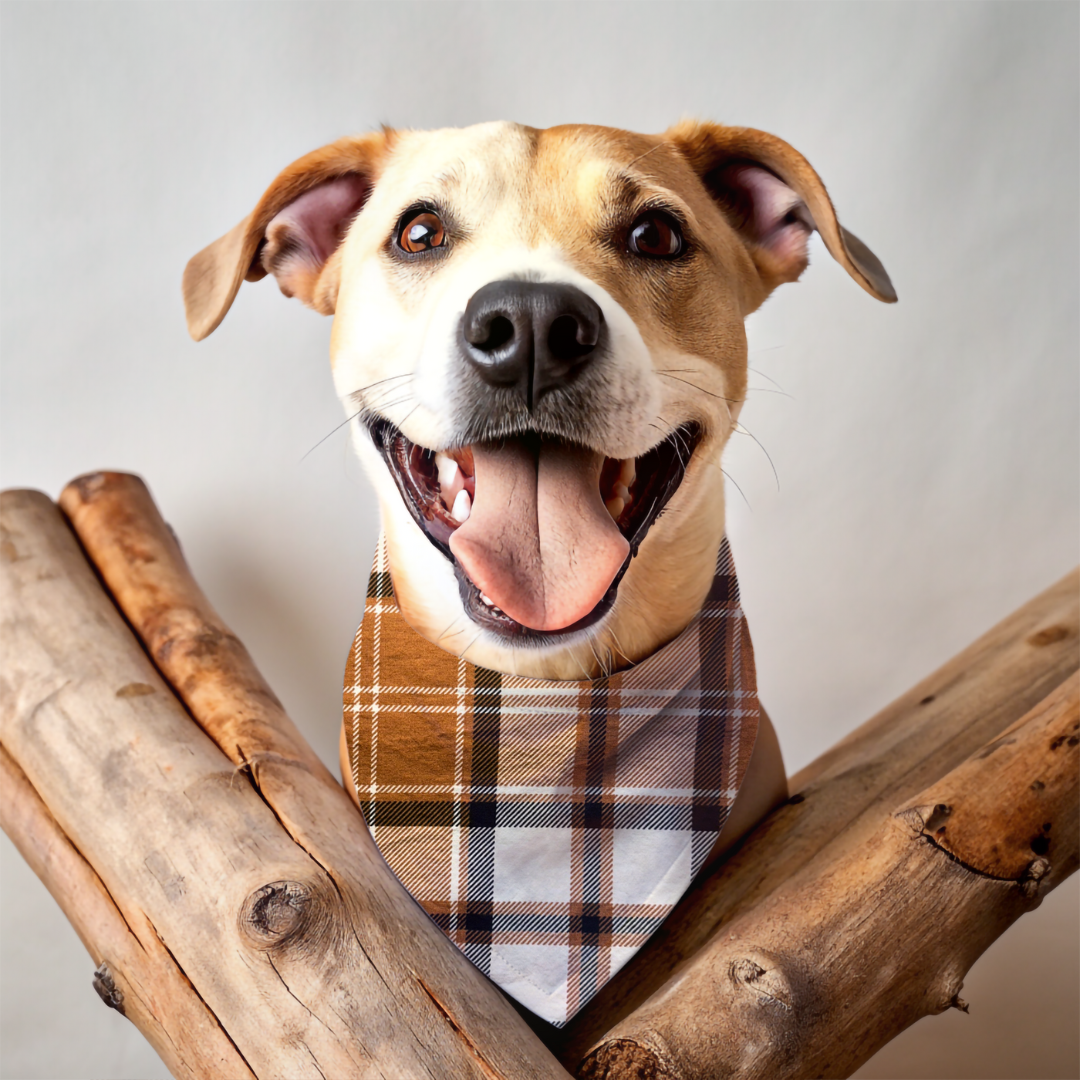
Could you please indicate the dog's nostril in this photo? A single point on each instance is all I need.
(499, 331)
(564, 338)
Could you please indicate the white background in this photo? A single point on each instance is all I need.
(927, 452)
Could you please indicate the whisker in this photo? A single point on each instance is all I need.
(385, 406)
(737, 488)
(333, 431)
(447, 630)
(758, 371)
(618, 645)
(647, 153)
(606, 663)
(368, 402)
(596, 656)
(680, 441)
(681, 444)
(470, 645)
(666, 432)
(378, 382)
(383, 391)
(740, 430)
(584, 669)
(768, 390)
(700, 389)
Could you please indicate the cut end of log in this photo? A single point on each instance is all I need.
(623, 1059)
(1016, 817)
(87, 487)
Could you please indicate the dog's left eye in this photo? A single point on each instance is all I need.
(421, 232)
(655, 235)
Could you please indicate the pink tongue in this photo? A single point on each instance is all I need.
(539, 542)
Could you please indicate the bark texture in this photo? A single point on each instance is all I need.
(232, 851)
(136, 974)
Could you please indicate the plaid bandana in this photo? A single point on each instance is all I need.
(549, 827)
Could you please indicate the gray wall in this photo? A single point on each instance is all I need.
(927, 453)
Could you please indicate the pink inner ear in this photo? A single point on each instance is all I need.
(772, 213)
(300, 238)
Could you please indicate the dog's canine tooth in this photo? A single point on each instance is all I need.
(462, 506)
(627, 473)
(615, 506)
(448, 470)
(622, 491)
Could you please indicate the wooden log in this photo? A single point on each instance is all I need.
(852, 950)
(136, 974)
(914, 740)
(255, 874)
(841, 797)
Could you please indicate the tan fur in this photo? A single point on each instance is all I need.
(562, 191)
(213, 277)
(548, 205)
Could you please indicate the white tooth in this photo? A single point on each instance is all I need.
(615, 506)
(622, 491)
(448, 470)
(485, 599)
(462, 506)
(628, 472)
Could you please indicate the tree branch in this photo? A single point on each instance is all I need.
(862, 943)
(257, 874)
(842, 796)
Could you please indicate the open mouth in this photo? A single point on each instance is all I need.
(540, 531)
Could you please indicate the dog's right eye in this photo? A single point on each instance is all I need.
(421, 231)
(656, 236)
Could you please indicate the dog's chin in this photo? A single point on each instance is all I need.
(437, 489)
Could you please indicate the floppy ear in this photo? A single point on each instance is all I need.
(774, 200)
(292, 232)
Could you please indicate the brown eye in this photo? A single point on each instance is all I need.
(656, 236)
(421, 232)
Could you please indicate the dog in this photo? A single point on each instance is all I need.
(554, 317)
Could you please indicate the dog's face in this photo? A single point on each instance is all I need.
(539, 335)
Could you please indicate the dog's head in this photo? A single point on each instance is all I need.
(539, 335)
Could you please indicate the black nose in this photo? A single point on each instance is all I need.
(531, 336)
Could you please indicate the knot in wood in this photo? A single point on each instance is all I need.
(746, 971)
(1037, 869)
(1048, 636)
(276, 914)
(769, 984)
(937, 819)
(107, 990)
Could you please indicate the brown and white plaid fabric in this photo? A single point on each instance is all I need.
(549, 827)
